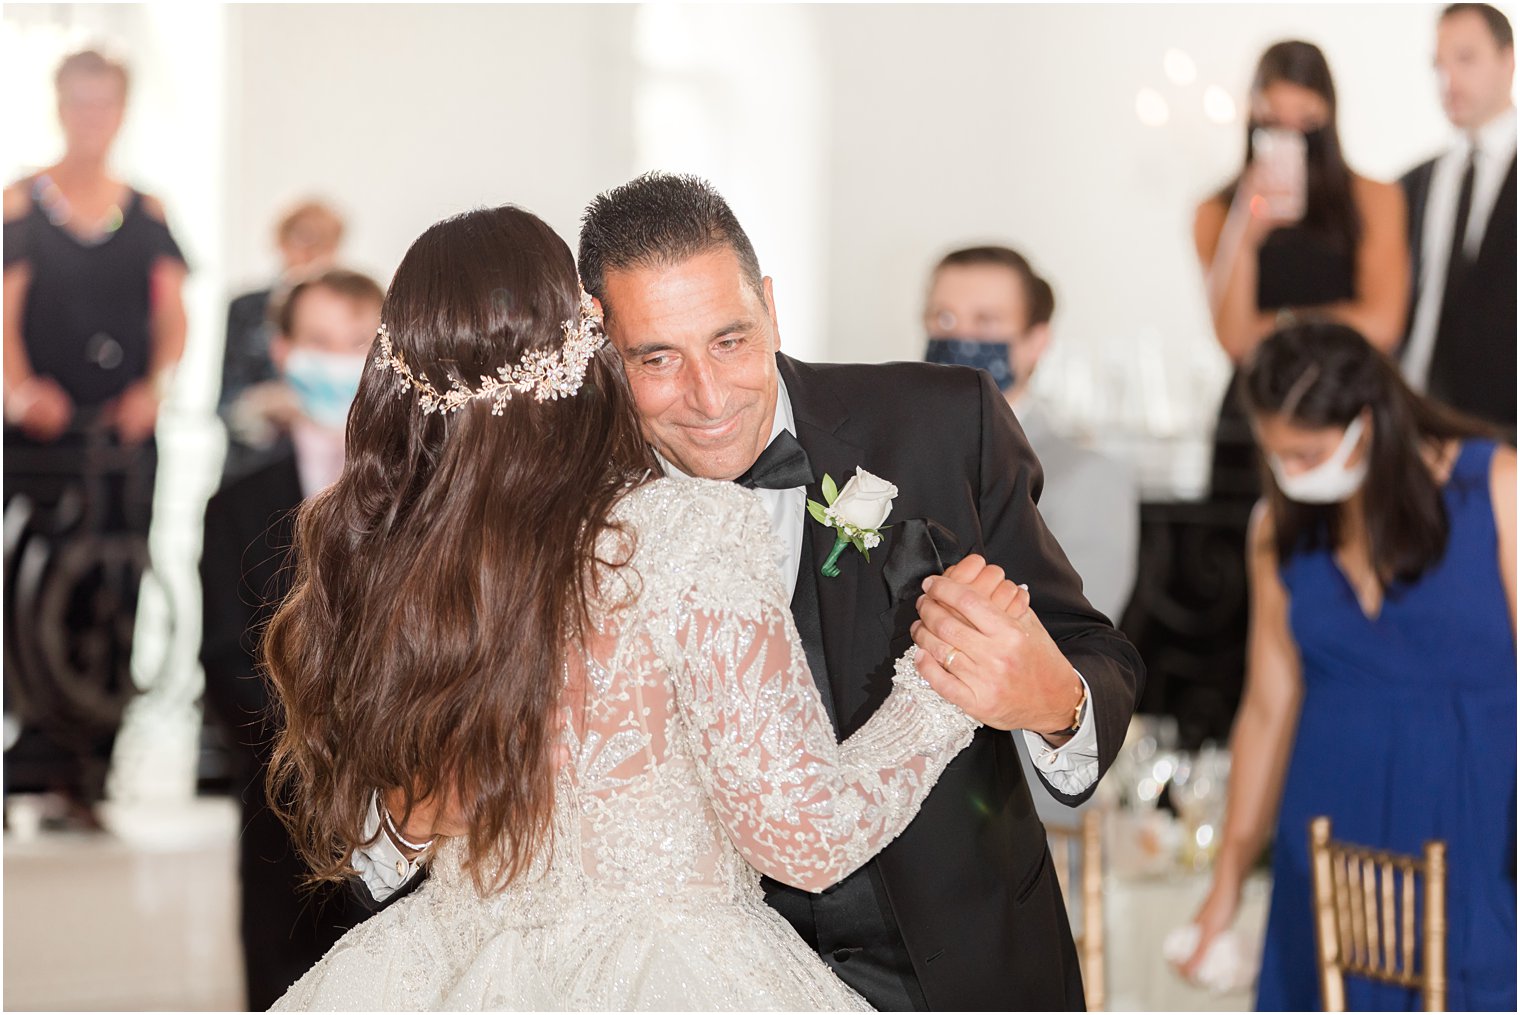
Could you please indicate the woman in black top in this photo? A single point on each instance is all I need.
(94, 316)
(1346, 259)
(94, 322)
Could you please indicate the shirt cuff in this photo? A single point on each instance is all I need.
(1072, 768)
(380, 863)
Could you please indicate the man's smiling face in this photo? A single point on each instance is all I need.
(699, 344)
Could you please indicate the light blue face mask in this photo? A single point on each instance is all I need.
(962, 352)
(325, 383)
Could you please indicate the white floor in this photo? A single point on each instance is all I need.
(142, 917)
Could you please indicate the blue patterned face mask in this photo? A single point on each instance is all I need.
(962, 352)
(325, 383)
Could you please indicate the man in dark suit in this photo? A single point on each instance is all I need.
(1461, 342)
(963, 910)
(324, 327)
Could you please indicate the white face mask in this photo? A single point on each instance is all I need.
(325, 383)
(1329, 482)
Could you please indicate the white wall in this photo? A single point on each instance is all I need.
(405, 114)
(1018, 124)
(756, 126)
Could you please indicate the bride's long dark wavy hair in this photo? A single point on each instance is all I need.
(442, 579)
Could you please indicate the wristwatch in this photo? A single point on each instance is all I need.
(1079, 715)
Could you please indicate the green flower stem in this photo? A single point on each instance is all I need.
(830, 567)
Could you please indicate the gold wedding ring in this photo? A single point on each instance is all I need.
(950, 657)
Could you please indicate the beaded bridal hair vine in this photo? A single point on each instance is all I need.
(545, 375)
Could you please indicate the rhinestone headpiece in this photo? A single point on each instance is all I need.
(543, 374)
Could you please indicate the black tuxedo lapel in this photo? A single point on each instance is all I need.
(1472, 366)
(1497, 239)
(810, 624)
(819, 424)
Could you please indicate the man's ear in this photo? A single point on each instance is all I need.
(1037, 341)
(770, 307)
(279, 351)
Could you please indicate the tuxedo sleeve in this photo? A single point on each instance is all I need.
(1015, 537)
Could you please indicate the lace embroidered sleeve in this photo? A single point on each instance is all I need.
(800, 806)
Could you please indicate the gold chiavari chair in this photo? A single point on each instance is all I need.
(1080, 850)
(1364, 917)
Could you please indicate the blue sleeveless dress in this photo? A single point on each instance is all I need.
(1406, 734)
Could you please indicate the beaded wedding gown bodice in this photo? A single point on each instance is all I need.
(701, 758)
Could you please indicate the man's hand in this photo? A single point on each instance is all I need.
(136, 413)
(1004, 669)
(40, 407)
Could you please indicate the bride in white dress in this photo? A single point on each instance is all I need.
(700, 755)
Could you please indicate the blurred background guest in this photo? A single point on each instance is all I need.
(987, 308)
(1381, 686)
(94, 325)
(324, 328)
(307, 237)
(1282, 240)
(1461, 343)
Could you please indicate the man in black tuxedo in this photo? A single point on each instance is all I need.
(962, 911)
(1461, 341)
(324, 322)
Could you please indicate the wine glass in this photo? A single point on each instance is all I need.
(1198, 793)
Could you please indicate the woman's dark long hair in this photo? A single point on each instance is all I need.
(442, 581)
(1323, 375)
(1331, 206)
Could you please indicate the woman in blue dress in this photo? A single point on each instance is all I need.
(1381, 684)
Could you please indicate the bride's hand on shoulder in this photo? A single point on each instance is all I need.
(438, 815)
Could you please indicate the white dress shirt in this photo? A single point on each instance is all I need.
(1495, 150)
(1071, 768)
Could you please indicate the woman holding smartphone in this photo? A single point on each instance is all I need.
(1296, 234)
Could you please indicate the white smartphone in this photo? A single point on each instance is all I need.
(1283, 158)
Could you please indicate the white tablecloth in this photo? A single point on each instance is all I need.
(1139, 913)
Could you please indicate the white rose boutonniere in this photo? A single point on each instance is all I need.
(855, 514)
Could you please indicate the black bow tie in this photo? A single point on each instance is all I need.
(782, 465)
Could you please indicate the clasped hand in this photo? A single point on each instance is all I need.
(983, 649)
